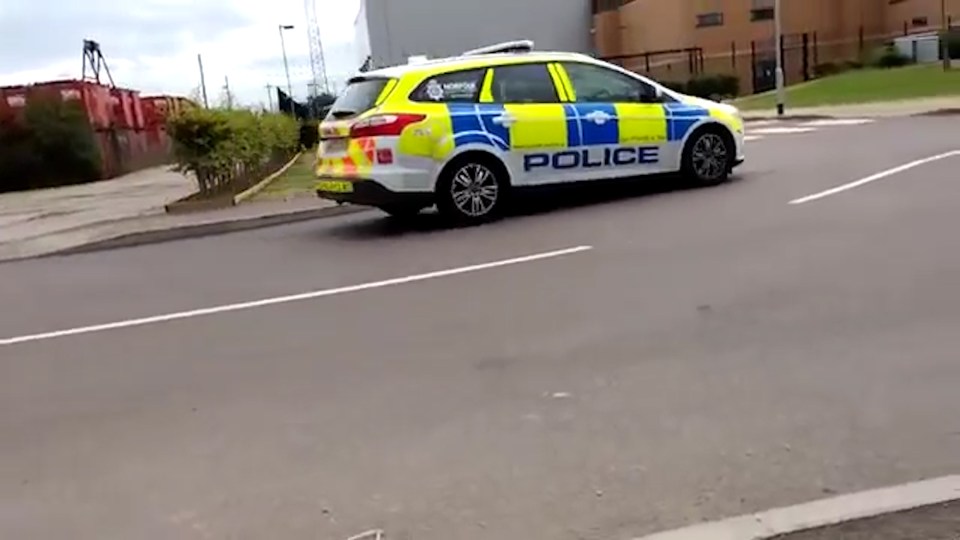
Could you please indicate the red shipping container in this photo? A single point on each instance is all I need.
(13, 99)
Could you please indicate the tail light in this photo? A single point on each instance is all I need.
(384, 125)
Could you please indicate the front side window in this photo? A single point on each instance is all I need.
(523, 83)
(455, 87)
(596, 84)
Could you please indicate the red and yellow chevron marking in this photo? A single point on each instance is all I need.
(357, 163)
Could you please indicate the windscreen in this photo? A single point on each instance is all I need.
(360, 96)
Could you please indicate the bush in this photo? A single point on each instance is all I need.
(53, 146)
(228, 150)
(714, 86)
(309, 134)
(675, 86)
(889, 57)
(829, 68)
(953, 44)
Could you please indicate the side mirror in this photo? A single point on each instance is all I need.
(652, 95)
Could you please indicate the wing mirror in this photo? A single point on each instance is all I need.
(654, 95)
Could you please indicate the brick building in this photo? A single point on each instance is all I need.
(675, 39)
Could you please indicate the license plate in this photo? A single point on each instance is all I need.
(335, 186)
(334, 146)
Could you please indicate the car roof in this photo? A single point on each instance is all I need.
(455, 63)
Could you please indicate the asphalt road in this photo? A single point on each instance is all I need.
(715, 352)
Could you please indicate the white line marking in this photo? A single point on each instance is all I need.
(291, 298)
(838, 122)
(782, 130)
(873, 178)
(822, 513)
(747, 138)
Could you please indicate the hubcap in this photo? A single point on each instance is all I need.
(474, 190)
(709, 156)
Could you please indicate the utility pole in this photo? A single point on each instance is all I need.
(778, 39)
(203, 83)
(945, 35)
(286, 66)
(226, 89)
(269, 88)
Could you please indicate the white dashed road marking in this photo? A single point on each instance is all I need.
(291, 298)
(822, 513)
(838, 122)
(782, 130)
(873, 178)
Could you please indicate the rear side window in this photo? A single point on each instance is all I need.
(455, 87)
(360, 96)
(523, 83)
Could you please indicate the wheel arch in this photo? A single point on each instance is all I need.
(485, 153)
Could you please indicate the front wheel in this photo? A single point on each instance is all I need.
(471, 190)
(707, 158)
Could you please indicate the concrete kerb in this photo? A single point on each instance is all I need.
(259, 186)
(209, 229)
(822, 513)
(152, 235)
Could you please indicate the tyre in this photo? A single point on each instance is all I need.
(472, 189)
(708, 157)
(401, 211)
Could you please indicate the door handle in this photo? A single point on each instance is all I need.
(504, 119)
(598, 117)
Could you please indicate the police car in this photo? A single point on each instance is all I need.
(460, 133)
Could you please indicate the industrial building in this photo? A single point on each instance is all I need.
(388, 32)
(678, 39)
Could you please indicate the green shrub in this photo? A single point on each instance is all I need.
(226, 149)
(675, 86)
(829, 68)
(889, 57)
(309, 134)
(714, 86)
(953, 44)
(53, 146)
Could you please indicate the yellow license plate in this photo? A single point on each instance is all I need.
(335, 186)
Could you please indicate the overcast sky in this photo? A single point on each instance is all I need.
(152, 45)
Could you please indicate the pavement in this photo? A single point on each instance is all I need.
(923, 106)
(602, 366)
(127, 210)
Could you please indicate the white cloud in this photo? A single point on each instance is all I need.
(152, 46)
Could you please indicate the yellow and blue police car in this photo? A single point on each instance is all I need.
(462, 132)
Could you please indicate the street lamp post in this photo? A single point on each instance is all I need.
(778, 39)
(286, 66)
(945, 35)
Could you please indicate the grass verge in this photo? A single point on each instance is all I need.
(297, 181)
(864, 86)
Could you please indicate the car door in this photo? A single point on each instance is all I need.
(529, 110)
(623, 125)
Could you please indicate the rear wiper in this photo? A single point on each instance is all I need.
(342, 113)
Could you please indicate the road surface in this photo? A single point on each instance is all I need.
(700, 354)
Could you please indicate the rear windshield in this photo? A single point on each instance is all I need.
(360, 96)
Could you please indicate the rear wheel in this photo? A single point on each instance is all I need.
(472, 189)
(708, 157)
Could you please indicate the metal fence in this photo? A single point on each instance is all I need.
(805, 56)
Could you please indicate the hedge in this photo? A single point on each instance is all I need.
(708, 86)
(953, 44)
(229, 150)
(52, 146)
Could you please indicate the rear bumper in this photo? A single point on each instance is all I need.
(373, 193)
